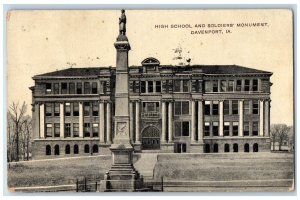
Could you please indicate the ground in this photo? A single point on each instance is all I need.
(180, 172)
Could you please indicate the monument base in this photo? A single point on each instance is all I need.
(122, 177)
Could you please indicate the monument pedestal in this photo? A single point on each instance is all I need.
(122, 177)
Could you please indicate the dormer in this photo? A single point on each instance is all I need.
(150, 64)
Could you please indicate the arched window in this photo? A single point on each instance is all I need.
(95, 148)
(235, 147)
(67, 150)
(246, 147)
(86, 148)
(216, 148)
(56, 149)
(207, 148)
(226, 148)
(255, 147)
(48, 150)
(76, 149)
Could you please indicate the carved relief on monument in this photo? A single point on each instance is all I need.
(122, 129)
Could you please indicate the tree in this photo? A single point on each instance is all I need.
(279, 133)
(17, 125)
(283, 134)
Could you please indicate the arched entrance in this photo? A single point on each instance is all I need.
(150, 138)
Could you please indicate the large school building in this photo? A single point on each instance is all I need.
(192, 109)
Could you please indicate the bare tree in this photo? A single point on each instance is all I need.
(283, 134)
(279, 133)
(274, 132)
(16, 115)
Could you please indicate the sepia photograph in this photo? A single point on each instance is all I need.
(133, 100)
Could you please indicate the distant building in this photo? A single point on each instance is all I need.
(196, 109)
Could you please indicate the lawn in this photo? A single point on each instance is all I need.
(225, 167)
(57, 171)
(172, 167)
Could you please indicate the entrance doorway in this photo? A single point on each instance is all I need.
(180, 148)
(150, 138)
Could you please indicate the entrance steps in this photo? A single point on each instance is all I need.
(145, 164)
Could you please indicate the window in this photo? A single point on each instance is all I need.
(48, 109)
(48, 130)
(226, 128)
(255, 107)
(48, 150)
(255, 128)
(246, 128)
(246, 147)
(67, 109)
(206, 129)
(67, 149)
(226, 148)
(150, 106)
(215, 86)
(64, 87)
(48, 88)
(95, 148)
(246, 107)
(103, 88)
(226, 107)
(230, 85)
(182, 128)
(95, 130)
(185, 85)
(207, 108)
(150, 86)
(255, 85)
(94, 88)
(143, 86)
(87, 88)
(71, 88)
(235, 128)
(67, 130)
(158, 86)
(86, 148)
(235, 147)
(247, 85)
(215, 108)
(207, 148)
(79, 88)
(76, 149)
(181, 85)
(215, 128)
(56, 109)
(56, 130)
(216, 148)
(207, 86)
(181, 108)
(75, 130)
(86, 109)
(95, 109)
(255, 147)
(56, 88)
(86, 129)
(223, 86)
(75, 109)
(176, 85)
(235, 107)
(238, 85)
(56, 150)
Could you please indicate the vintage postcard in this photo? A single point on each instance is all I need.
(150, 100)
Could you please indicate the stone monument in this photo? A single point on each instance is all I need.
(122, 176)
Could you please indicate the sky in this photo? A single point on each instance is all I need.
(44, 41)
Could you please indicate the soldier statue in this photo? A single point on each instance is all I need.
(122, 23)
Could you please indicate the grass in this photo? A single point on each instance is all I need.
(194, 167)
(221, 167)
(57, 172)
